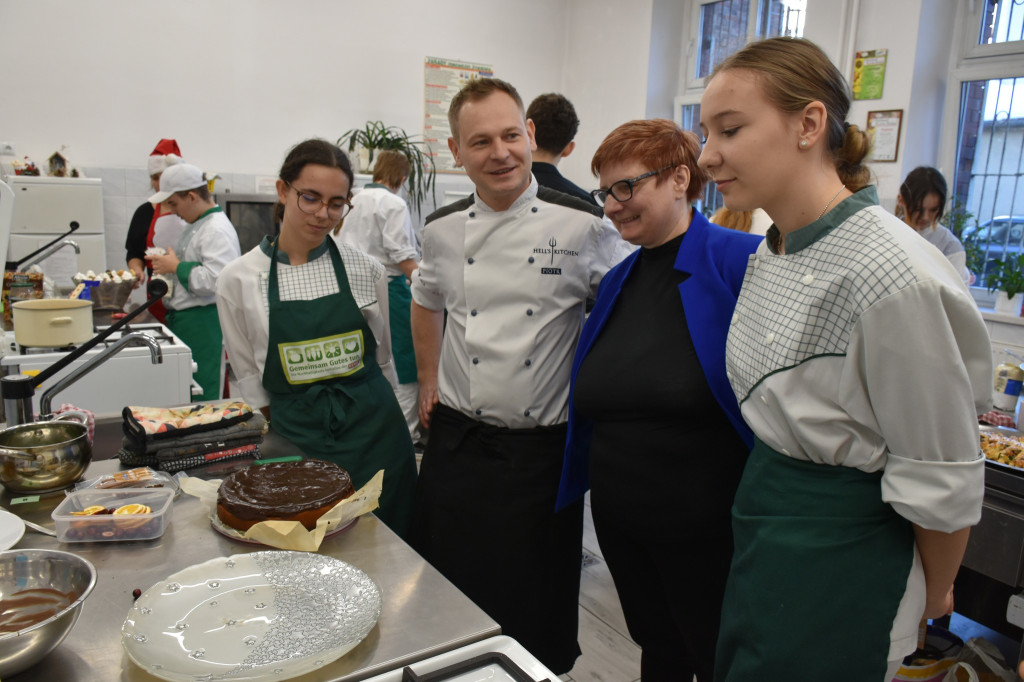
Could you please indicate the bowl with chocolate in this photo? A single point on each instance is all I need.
(41, 593)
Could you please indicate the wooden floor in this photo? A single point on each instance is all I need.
(609, 655)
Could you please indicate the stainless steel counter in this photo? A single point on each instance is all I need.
(423, 613)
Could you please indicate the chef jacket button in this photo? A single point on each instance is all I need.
(769, 338)
(529, 311)
(764, 400)
(528, 363)
(807, 279)
(526, 414)
(533, 210)
(470, 261)
(476, 361)
(530, 259)
(473, 313)
(472, 214)
(479, 412)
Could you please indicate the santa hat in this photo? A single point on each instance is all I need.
(165, 154)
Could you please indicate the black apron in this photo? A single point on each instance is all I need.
(819, 568)
(329, 397)
(485, 518)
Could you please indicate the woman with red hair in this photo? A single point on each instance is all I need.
(653, 422)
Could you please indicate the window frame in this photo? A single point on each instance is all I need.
(973, 62)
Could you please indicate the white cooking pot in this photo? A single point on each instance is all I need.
(52, 322)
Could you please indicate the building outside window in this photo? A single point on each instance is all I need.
(724, 26)
(986, 97)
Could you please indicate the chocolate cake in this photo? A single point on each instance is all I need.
(289, 491)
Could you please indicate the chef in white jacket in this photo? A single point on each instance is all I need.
(379, 225)
(206, 245)
(513, 266)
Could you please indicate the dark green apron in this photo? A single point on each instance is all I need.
(819, 568)
(329, 397)
(399, 308)
(199, 328)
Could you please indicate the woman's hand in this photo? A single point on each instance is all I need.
(137, 266)
(166, 264)
(940, 607)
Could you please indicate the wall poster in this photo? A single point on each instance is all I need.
(442, 79)
(869, 74)
(884, 131)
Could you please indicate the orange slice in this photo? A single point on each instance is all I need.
(91, 511)
(134, 509)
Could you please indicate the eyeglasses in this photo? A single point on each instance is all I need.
(310, 203)
(622, 190)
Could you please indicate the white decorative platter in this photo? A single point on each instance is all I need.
(11, 529)
(260, 616)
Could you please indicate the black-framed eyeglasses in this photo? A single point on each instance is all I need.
(622, 190)
(310, 203)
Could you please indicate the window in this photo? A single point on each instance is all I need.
(722, 27)
(988, 159)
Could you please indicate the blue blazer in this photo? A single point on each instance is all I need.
(716, 260)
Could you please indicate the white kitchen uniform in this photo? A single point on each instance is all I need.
(379, 224)
(212, 242)
(942, 238)
(245, 315)
(861, 348)
(514, 284)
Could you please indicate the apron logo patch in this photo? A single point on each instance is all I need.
(305, 362)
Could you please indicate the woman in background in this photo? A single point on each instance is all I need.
(306, 326)
(653, 422)
(379, 225)
(861, 362)
(921, 204)
(152, 224)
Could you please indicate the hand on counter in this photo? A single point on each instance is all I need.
(166, 264)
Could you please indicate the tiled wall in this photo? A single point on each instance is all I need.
(125, 189)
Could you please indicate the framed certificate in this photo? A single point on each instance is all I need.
(884, 131)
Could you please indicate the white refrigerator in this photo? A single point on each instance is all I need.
(43, 210)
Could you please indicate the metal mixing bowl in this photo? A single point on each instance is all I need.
(22, 570)
(39, 457)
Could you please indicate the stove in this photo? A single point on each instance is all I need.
(126, 378)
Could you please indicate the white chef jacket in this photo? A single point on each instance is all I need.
(379, 224)
(245, 314)
(515, 284)
(861, 347)
(212, 242)
(942, 238)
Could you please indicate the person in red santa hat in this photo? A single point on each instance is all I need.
(152, 224)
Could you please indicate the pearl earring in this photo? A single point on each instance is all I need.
(803, 144)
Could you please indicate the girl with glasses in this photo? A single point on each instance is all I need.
(306, 326)
(861, 362)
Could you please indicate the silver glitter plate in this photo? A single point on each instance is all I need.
(259, 616)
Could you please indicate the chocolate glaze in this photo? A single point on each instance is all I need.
(283, 488)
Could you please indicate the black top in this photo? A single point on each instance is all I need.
(660, 440)
(138, 230)
(548, 176)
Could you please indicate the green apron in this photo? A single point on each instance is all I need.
(329, 397)
(199, 328)
(819, 568)
(399, 309)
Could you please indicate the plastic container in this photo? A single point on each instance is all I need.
(113, 527)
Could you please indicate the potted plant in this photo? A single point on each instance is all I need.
(1007, 277)
(375, 136)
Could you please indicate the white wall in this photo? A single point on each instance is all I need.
(604, 73)
(237, 82)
